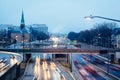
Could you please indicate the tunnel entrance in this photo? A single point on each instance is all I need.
(28, 56)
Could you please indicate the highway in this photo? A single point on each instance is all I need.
(84, 69)
(44, 70)
(104, 65)
(82, 64)
(84, 60)
(7, 65)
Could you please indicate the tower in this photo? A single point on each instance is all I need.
(22, 24)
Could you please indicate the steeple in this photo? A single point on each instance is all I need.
(22, 25)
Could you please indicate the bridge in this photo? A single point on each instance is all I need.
(53, 50)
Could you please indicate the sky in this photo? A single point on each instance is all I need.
(61, 16)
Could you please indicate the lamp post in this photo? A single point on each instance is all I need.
(16, 38)
(91, 17)
(23, 46)
(23, 40)
(99, 40)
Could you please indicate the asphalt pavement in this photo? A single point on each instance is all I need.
(104, 65)
(45, 70)
(84, 63)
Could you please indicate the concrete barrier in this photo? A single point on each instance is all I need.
(10, 74)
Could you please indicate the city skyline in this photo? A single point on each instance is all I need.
(60, 16)
(59, 40)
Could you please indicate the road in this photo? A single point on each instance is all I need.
(104, 65)
(82, 64)
(48, 70)
(115, 71)
(45, 70)
(10, 62)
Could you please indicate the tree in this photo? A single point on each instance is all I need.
(105, 30)
(100, 34)
(34, 33)
(42, 36)
(2, 34)
(72, 36)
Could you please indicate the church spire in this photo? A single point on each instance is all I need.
(22, 25)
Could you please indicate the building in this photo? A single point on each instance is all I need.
(116, 38)
(40, 27)
(21, 33)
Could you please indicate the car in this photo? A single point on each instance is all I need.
(34, 78)
(99, 61)
(86, 58)
(116, 62)
(37, 64)
(62, 77)
(46, 69)
(4, 60)
(91, 54)
(86, 75)
(1, 60)
(91, 70)
(118, 67)
(115, 68)
(58, 70)
(76, 62)
(83, 72)
(78, 67)
(2, 65)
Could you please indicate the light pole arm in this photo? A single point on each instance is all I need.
(91, 17)
(105, 18)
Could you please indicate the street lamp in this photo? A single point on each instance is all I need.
(23, 40)
(23, 36)
(91, 17)
(99, 40)
(16, 37)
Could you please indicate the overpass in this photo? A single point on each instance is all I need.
(11, 53)
(51, 50)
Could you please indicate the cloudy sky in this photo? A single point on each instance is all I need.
(59, 15)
